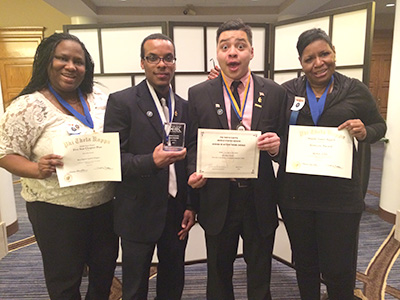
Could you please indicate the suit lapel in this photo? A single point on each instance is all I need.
(259, 101)
(147, 106)
(216, 94)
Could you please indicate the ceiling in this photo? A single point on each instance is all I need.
(252, 11)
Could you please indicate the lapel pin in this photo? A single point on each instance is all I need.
(261, 94)
(217, 105)
(220, 112)
(149, 113)
(176, 113)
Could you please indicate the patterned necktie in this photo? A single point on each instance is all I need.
(172, 185)
(234, 119)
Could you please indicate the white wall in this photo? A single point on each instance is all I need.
(390, 199)
(8, 212)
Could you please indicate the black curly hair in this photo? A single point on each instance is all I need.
(44, 56)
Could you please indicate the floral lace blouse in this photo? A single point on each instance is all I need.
(28, 127)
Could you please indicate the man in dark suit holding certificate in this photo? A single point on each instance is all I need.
(151, 206)
(238, 100)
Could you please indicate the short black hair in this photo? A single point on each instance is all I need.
(155, 36)
(309, 36)
(43, 58)
(236, 24)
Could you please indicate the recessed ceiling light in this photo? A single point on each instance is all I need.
(390, 5)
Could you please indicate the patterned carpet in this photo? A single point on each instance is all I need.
(21, 274)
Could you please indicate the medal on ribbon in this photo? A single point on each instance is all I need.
(239, 111)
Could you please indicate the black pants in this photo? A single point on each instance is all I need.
(241, 221)
(137, 256)
(68, 239)
(323, 243)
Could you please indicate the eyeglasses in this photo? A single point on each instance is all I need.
(154, 60)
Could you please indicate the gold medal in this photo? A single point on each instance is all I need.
(240, 127)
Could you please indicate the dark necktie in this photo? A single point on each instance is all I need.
(235, 122)
(234, 119)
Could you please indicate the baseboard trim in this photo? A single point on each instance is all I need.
(387, 216)
(12, 228)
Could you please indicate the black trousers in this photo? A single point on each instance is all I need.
(241, 221)
(323, 243)
(137, 256)
(69, 238)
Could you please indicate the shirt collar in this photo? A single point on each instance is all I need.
(243, 79)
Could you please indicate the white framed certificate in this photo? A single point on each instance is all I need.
(88, 158)
(318, 150)
(227, 153)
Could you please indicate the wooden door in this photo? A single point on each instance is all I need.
(17, 49)
(379, 80)
(380, 68)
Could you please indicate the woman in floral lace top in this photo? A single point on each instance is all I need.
(73, 225)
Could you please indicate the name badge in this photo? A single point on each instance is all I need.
(298, 103)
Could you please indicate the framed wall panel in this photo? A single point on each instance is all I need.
(90, 38)
(349, 40)
(111, 84)
(121, 48)
(211, 47)
(286, 56)
(258, 61)
(282, 77)
(138, 78)
(184, 82)
(189, 43)
(353, 73)
(350, 29)
(115, 48)
(114, 83)
(203, 37)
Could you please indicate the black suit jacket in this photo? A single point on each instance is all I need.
(140, 204)
(268, 116)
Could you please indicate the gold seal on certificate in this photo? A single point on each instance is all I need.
(174, 139)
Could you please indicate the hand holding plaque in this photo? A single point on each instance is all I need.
(174, 138)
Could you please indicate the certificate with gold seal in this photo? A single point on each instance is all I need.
(318, 150)
(88, 158)
(227, 153)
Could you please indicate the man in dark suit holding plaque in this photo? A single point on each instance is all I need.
(238, 100)
(151, 205)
